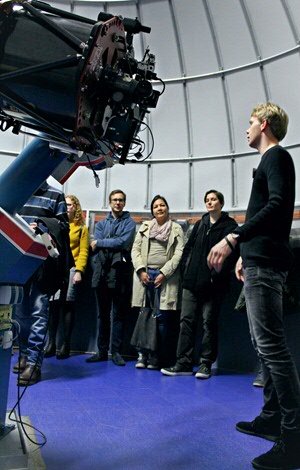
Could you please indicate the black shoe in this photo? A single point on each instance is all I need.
(259, 381)
(20, 365)
(98, 357)
(204, 371)
(176, 370)
(64, 352)
(259, 427)
(30, 376)
(282, 456)
(118, 359)
(50, 350)
(153, 363)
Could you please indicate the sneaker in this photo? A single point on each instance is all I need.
(259, 427)
(204, 371)
(141, 362)
(280, 457)
(153, 363)
(258, 381)
(118, 359)
(176, 370)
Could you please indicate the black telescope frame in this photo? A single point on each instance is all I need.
(42, 12)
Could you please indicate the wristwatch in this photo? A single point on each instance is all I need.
(235, 236)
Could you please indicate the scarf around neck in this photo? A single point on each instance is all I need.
(160, 232)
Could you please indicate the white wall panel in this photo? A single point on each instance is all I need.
(169, 125)
(130, 178)
(195, 35)
(294, 10)
(208, 116)
(162, 39)
(172, 181)
(214, 174)
(271, 26)
(245, 91)
(226, 23)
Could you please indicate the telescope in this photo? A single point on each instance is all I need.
(75, 85)
(74, 81)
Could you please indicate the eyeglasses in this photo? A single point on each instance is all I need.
(117, 200)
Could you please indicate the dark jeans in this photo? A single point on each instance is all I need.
(114, 306)
(192, 308)
(263, 292)
(167, 322)
(32, 316)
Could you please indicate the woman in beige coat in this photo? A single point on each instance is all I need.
(156, 255)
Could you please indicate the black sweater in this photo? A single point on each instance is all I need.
(265, 234)
(197, 276)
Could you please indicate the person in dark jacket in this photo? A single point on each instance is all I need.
(203, 289)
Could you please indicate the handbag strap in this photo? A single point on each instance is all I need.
(153, 303)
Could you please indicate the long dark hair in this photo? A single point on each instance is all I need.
(155, 199)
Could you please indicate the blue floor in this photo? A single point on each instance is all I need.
(104, 417)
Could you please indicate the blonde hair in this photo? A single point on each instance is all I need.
(275, 116)
(79, 218)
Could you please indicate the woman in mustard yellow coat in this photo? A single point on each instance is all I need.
(79, 244)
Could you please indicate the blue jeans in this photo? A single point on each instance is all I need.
(165, 323)
(263, 293)
(32, 315)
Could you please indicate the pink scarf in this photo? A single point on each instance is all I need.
(160, 232)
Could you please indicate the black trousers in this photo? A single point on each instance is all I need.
(193, 308)
(114, 306)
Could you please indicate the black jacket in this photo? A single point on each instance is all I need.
(197, 277)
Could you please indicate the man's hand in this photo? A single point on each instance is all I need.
(93, 245)
(239, 269)
(217, 255)
(220, 252)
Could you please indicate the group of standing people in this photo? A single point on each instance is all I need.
(152, 266)
(199, 271)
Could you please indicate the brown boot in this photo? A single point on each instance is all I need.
(20, 365)
(30, 376)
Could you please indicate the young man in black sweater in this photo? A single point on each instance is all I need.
(263, 265)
